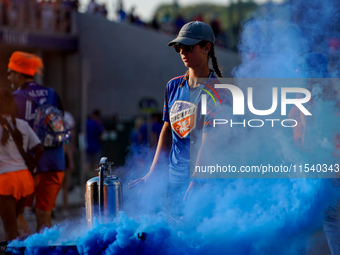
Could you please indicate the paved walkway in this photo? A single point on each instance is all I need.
(76, 208)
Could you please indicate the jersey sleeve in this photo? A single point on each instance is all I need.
(56, 101)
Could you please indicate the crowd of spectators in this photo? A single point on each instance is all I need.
(97, 9)
(46, 15)
(169, 25)
(55, 16)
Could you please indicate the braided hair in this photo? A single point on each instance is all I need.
(5, 133)
(7, 108)
(213, 61)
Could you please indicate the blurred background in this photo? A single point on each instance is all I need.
(109, 62)
(111, 56)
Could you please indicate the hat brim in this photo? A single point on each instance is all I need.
(185, 41)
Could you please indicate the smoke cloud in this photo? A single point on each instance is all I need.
(245, 215)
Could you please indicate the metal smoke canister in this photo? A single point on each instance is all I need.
(103, 195)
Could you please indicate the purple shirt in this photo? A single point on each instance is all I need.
(27, 98)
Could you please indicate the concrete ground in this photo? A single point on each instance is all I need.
(75, 210)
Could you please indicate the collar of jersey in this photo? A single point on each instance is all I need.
(211, 75)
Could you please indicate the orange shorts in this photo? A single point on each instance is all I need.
(47, 187)
(18, 184)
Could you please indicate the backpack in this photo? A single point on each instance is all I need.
(49, 123)
(50, 126)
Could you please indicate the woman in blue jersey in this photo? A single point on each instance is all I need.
(183, 121)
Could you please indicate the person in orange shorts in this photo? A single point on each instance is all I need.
(28, 94)
(16, 182)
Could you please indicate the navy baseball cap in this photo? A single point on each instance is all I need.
(194, 32)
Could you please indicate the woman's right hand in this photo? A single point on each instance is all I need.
(162, 146)
(134, 183)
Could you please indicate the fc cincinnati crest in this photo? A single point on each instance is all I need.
(183, 117)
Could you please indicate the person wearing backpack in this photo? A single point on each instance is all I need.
(31, 96)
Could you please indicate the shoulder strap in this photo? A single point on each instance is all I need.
(50, 96)
(17, 140)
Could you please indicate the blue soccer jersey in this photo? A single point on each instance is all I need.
(182, 109)
(27, 98)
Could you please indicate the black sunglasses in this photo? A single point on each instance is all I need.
(186, 48)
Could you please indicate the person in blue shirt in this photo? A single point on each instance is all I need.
(94, 132)
(183, 121)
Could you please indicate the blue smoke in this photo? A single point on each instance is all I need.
(236, 216)
(276, 41)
